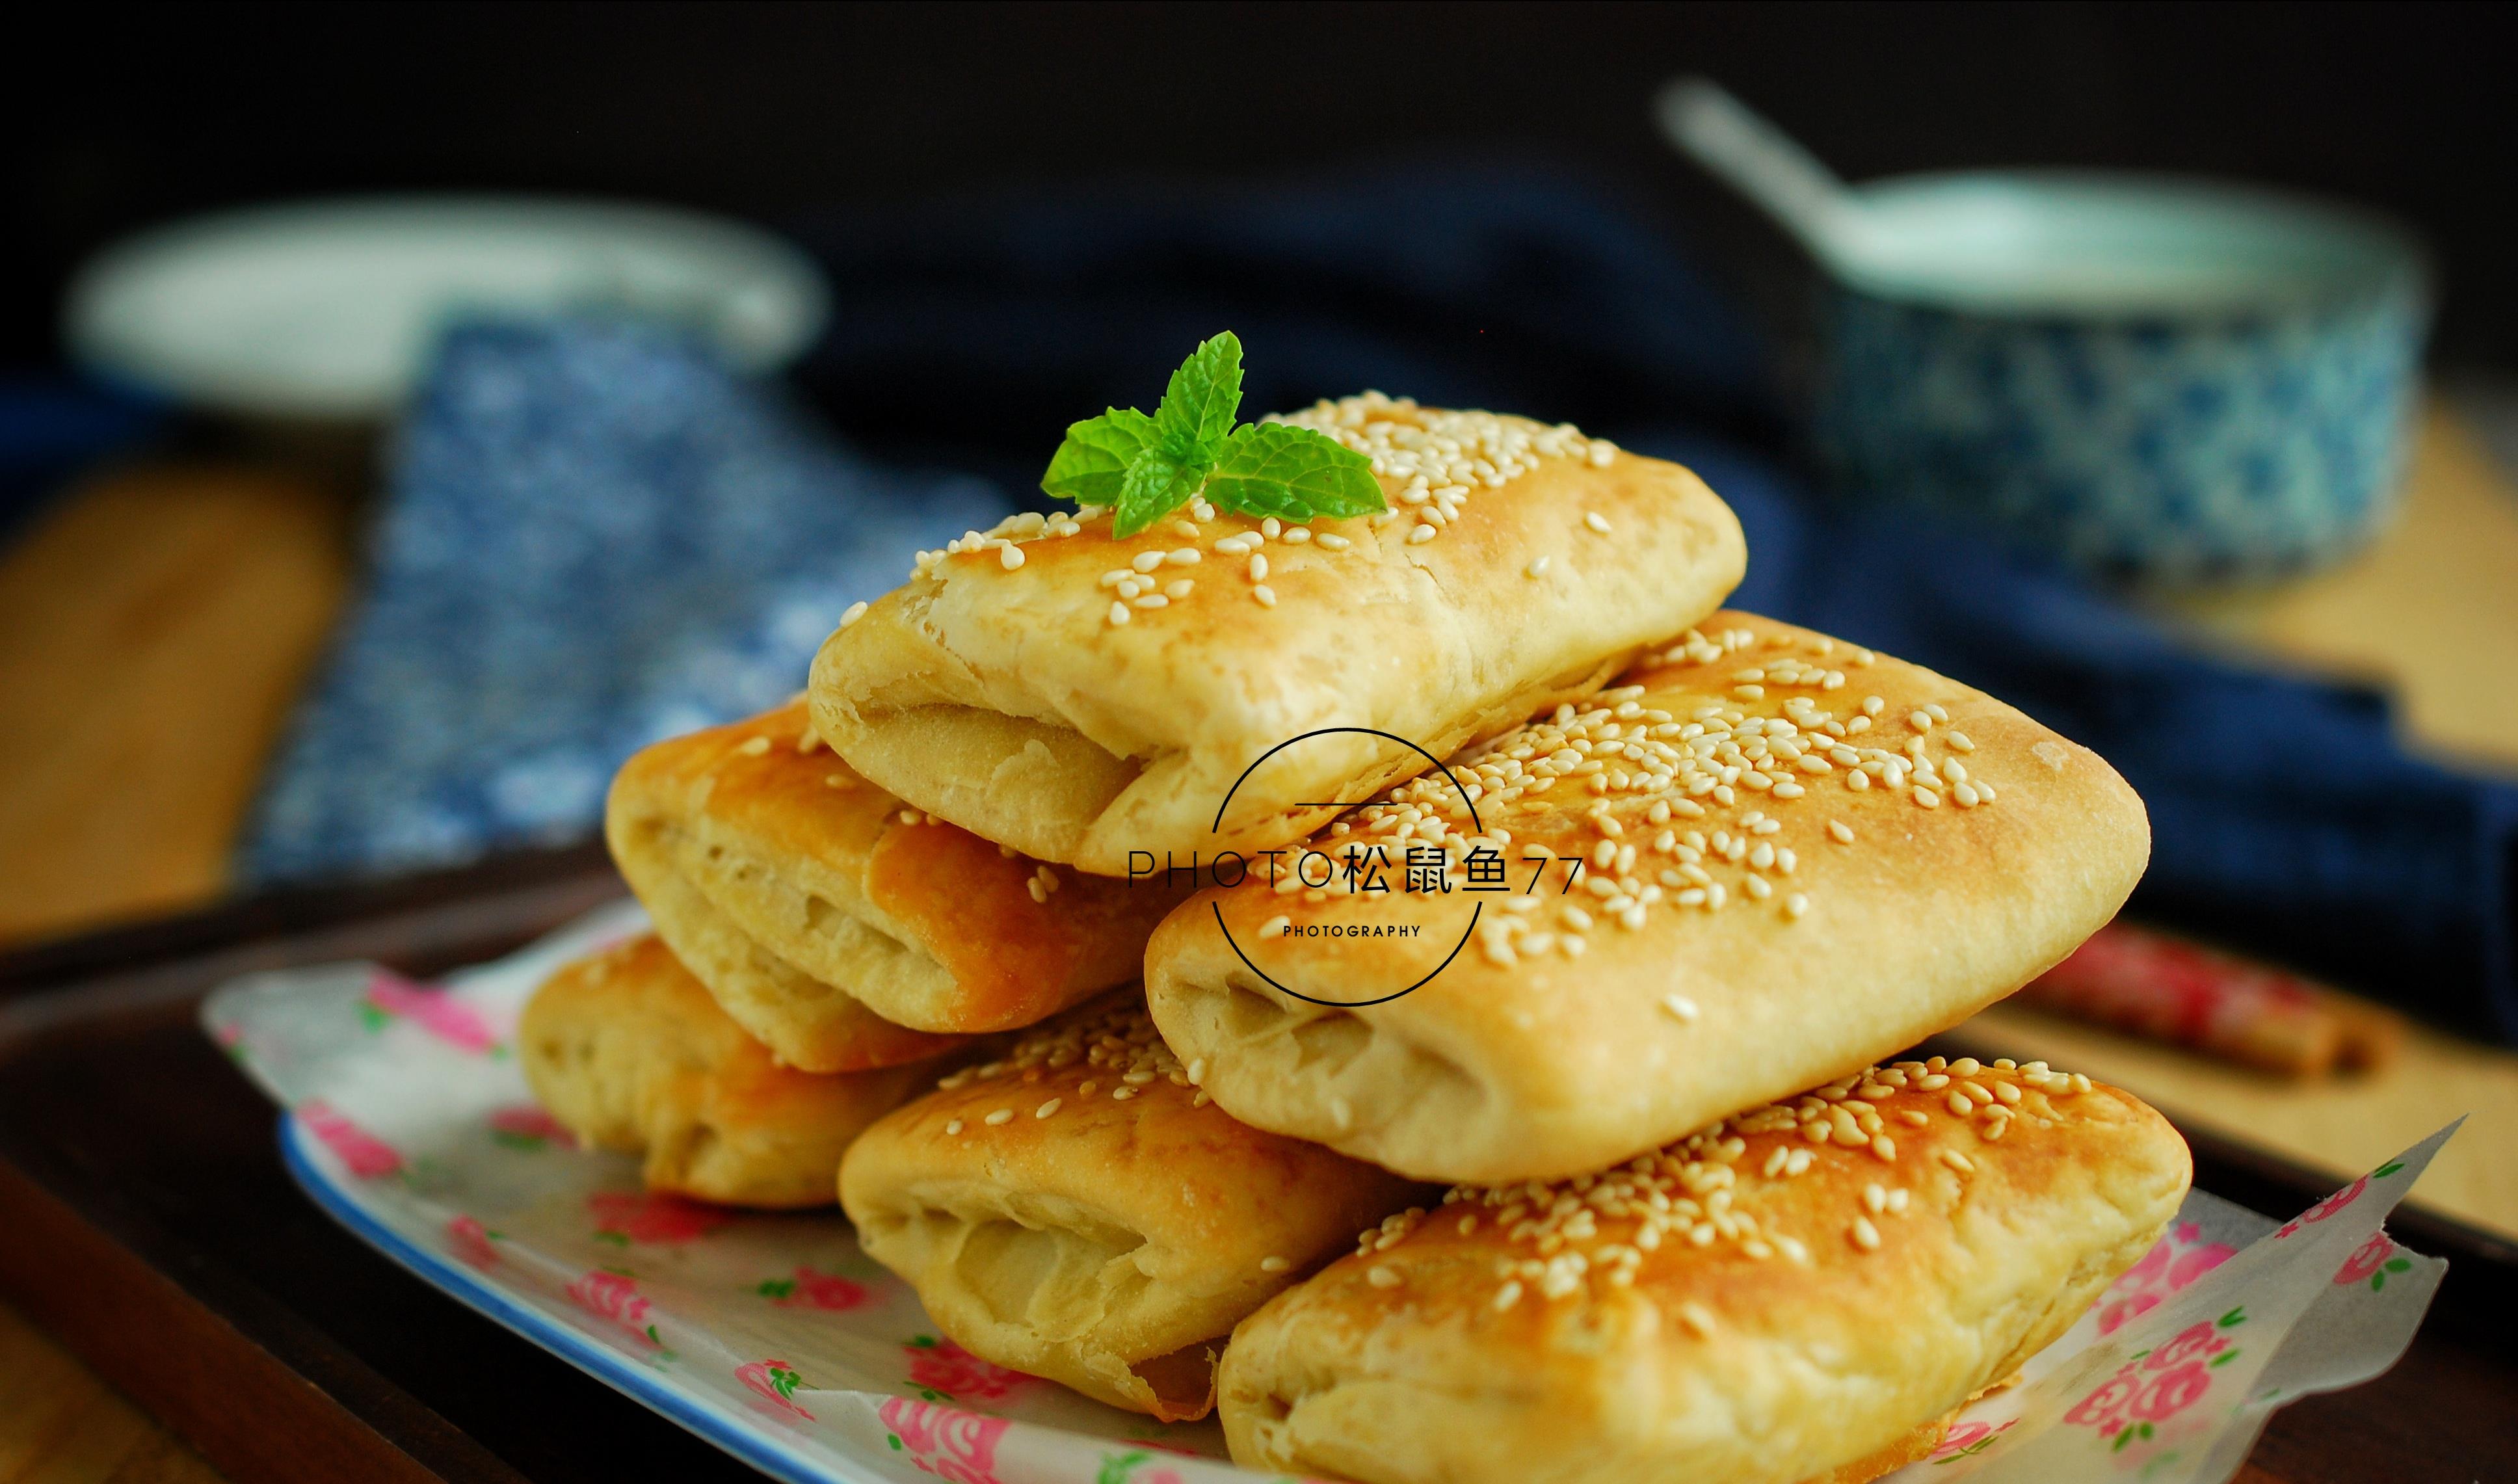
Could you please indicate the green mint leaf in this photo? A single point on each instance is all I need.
(1093, 462)
(1294, 473)
(1196, 415)
(1155, 487)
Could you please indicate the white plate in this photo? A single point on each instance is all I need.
(775, 1337)
(326, 310)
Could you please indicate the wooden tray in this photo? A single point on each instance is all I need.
(146, 1221)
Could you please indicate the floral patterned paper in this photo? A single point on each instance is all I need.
(776, 1338)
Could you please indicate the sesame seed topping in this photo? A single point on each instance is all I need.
(1840, 831)
(1266, 595)
(1118, 613)
(1010, 556)
(1595, 521)
(1274, 1264)
(755, 747)
(1146, 561)
(953, 1127)
(854, 612)
(1537, 565)
(1002, 1115)
(1679, 1006)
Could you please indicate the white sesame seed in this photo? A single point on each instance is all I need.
(1594, 520)
(1295, 536)
(753, 747)
(1958, 741)
(1507, 1295)
(1050, 1106)
(1698, 1319)
(1118, 613)
(1276, 925)
(1333, 540)
(1039, 894)
(1421, 535)
(1842, 832)
(1274, 1264)
(854, 612)
(1679, 1006)
(1258, 567)
(1000, 1116)
(1010, 556)
(1865, 1235)
(1153, 600)
(1873, 706)
(1932, 709)
(1266, 595)
(1927, 798)
(1382, 1276)
(952, 1128)
(1795, 906)
(1146, 561)
(1537, 565)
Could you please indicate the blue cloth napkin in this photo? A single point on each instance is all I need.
(594, 536)
(2284, 814)
(596, 539)
(2286, 818)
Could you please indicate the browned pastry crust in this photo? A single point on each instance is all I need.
(1746, 921)
(1787, 1296)
(1007, 700)
(1076, 1209)
(631, 1053)
(835, 927)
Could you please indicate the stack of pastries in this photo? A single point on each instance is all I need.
(1639, 1190)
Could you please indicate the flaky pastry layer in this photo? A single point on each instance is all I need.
(629, 1052)
(1078, 1210)
(1790, 1295)
(1744, 920)
(840, 927)
(1034, 706)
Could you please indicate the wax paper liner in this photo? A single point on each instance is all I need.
(775, 1337)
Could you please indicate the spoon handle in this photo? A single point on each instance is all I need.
(1763, 163)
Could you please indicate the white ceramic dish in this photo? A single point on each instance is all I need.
(775, 1338)
(326, 310)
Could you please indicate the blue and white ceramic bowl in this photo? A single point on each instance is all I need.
(2161, 380)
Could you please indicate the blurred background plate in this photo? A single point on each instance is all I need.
(326, 311)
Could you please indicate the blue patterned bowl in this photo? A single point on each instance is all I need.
(2162, 381)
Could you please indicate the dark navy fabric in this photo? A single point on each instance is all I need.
(594, 536)
(2286, 817)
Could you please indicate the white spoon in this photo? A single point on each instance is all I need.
(1772, 170)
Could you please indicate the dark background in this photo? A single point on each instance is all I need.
(130, 115)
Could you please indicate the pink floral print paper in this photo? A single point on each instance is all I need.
(410, 1120)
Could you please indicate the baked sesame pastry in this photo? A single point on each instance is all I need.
(1764, 858)
(827, 917)
(1804, 1291)
(1078, 1210)
(629, 1052)
(1080, 697)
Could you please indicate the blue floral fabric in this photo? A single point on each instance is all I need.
(595, 536)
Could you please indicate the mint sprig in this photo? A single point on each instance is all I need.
(1145, 467)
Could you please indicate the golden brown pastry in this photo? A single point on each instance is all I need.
(1806, 1289)
(1081, 698)
(631, 1053)
(827, 917)
(1761, 903)
(1079, 1210)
